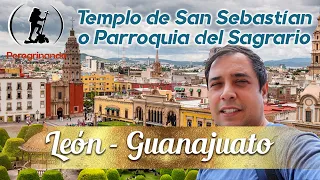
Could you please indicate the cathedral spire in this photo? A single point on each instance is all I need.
(72, 31)
(157, 56)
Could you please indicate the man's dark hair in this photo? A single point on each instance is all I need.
(256, 61)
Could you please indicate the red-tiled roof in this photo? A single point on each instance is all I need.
(276, 109)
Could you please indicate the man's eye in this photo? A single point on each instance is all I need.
(215, 84)
(241, 81)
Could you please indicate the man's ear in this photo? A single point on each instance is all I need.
(264, 91)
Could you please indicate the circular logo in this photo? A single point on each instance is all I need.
(34, 25)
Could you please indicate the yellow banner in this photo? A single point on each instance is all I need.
(159, 147)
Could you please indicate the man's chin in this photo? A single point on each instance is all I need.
(229, 123)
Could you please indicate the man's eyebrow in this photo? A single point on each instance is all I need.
(215, 78)
(240, 75)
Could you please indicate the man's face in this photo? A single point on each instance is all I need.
(233, 92)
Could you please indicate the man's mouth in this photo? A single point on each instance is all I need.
(229, 111)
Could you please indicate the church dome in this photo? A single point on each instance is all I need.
(312, 89)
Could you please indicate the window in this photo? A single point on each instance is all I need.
(42, 94)
(9, 87)
(9, 108)
(199, 123)
(75, 108)
(19, 106)
(59, 95)
(9, 95)
(29, 95)
(42, 104)
(208, 124)
(19, 86)
(42, 115)
(189, 123)
(19, 96)
(29, 105)
(29, 86)
(42, 86)
(308, 116)
(126, 114)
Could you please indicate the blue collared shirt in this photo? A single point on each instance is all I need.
(303, 150)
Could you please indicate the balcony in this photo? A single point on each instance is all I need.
(9, 109)
(29, 107)
(19, 88)
(29, 88)
(19, 108)
(29, 96)
(9, 88)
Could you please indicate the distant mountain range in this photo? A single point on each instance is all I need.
(132, 60)
(292, 62)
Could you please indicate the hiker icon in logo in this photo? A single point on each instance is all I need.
(34, 19)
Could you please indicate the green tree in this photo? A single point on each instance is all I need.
(4, 173)
(113, 174)
(36, 69)
(32, 130)
(140, 177)
(3, 136)
(88, 174)
(165, 171)
(28, 174)
(23, 132)
(4, 161)
(178, 174)
(11, 148)
(192, 175)
(166, 177)
(52, 175)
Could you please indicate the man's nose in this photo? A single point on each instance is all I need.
(228, 93)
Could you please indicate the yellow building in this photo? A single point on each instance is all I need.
(151, 110)
(101, 84)
(114, 109)
(13, 71)
(122, 87)
(195, 117)
(168, 93)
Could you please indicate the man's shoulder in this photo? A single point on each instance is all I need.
(224, 174)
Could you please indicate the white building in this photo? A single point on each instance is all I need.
(94, 64)
(88, 61)
(21, 98)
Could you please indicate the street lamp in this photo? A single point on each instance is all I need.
(95, 118)
(37, 112)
